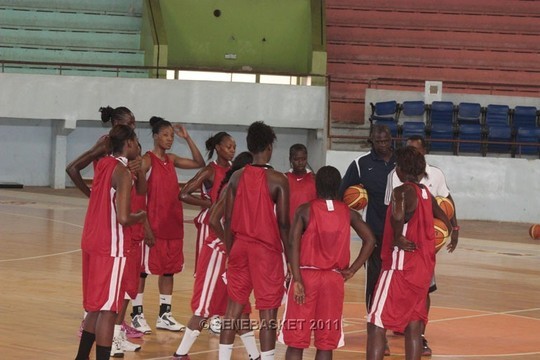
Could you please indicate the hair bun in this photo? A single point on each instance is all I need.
(155, 119)
(106, 113)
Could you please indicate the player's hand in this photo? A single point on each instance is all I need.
(299, 293)
(149, 238)
(404, 244)
(347, 273)
(135, 165)
(452, 245)
(180, 131)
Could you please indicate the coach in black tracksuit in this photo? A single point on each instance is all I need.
(371, 170)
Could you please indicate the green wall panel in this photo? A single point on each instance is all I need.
(258, 35)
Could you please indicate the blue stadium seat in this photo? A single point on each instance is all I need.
(524, 117)
(441, 112)
(385, 113)
(499, 133)
(497, 115)
(441, 131)
(470, 132)
(412, 111)
(527, 135)
(410, 128)
(469, 113)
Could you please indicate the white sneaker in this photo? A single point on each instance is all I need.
(120, 345)
(128, 346)
(214, 324)
(139, 323)
(116, 348)
(167, 322)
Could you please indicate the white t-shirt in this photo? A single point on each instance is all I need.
(435, 181)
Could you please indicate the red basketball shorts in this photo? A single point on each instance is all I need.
(320, 314)
(102, 282)
(397, 302)
(165, 257)
(255, 267)
(132, 271)
(210, 288)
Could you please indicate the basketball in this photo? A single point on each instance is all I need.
(446, 206)
(441, 233)
(534, 231)
(356, 197)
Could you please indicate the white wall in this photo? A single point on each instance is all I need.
(499, 189)
(46, 121)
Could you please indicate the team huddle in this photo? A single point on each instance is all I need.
(283, 237)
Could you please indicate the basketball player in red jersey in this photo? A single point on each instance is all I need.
(301, 180)
(118, 116)
(207, 181)
(165, 215)
(104, 242)
(320, 253)
(210, 289)
(408, 260)
(256, 240)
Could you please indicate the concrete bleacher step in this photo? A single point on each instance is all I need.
(73, 55)
(433, 39)
(66, 20)
(133, 7)
(42, 70)
(348, 129)
(69, 38)
(413, 20)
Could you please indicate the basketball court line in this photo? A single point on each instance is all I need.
(41, 256)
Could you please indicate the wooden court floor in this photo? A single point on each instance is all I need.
(487, 305)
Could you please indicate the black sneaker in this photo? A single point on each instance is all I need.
(426, 350)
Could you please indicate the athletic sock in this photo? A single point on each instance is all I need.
(225, 351)
(164, 304)
(103, 352)
(85, 345)
(117, 329)
(137, 304)
(268, 355)
(187, 341)
(248, 339)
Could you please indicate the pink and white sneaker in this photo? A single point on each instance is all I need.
(131, 332)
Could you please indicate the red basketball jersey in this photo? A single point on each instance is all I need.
(416, 265)
(253, 214)
(301, 190)
(165, 212)
(326, 241)
(102, 234)
(212, 192)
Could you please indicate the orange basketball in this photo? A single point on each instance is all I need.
(441, 233)
(446, 206)
(534, 231)
(356, 197)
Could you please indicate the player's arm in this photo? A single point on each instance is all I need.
(101, 148)
(368, 244)
(216, 214)
(197, 160)
(350, 178)
(149, 238)
(281, 188)
(228, 238)
(301, 218)
(205, 174)
(455, 229)
(135, 166)
(403, 202)
(121, 181)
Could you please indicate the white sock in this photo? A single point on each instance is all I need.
(117, 329)
(165, 299)
(268, 355)
(248, 339)
(225, 351)
(187, 341)
(138, 301)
